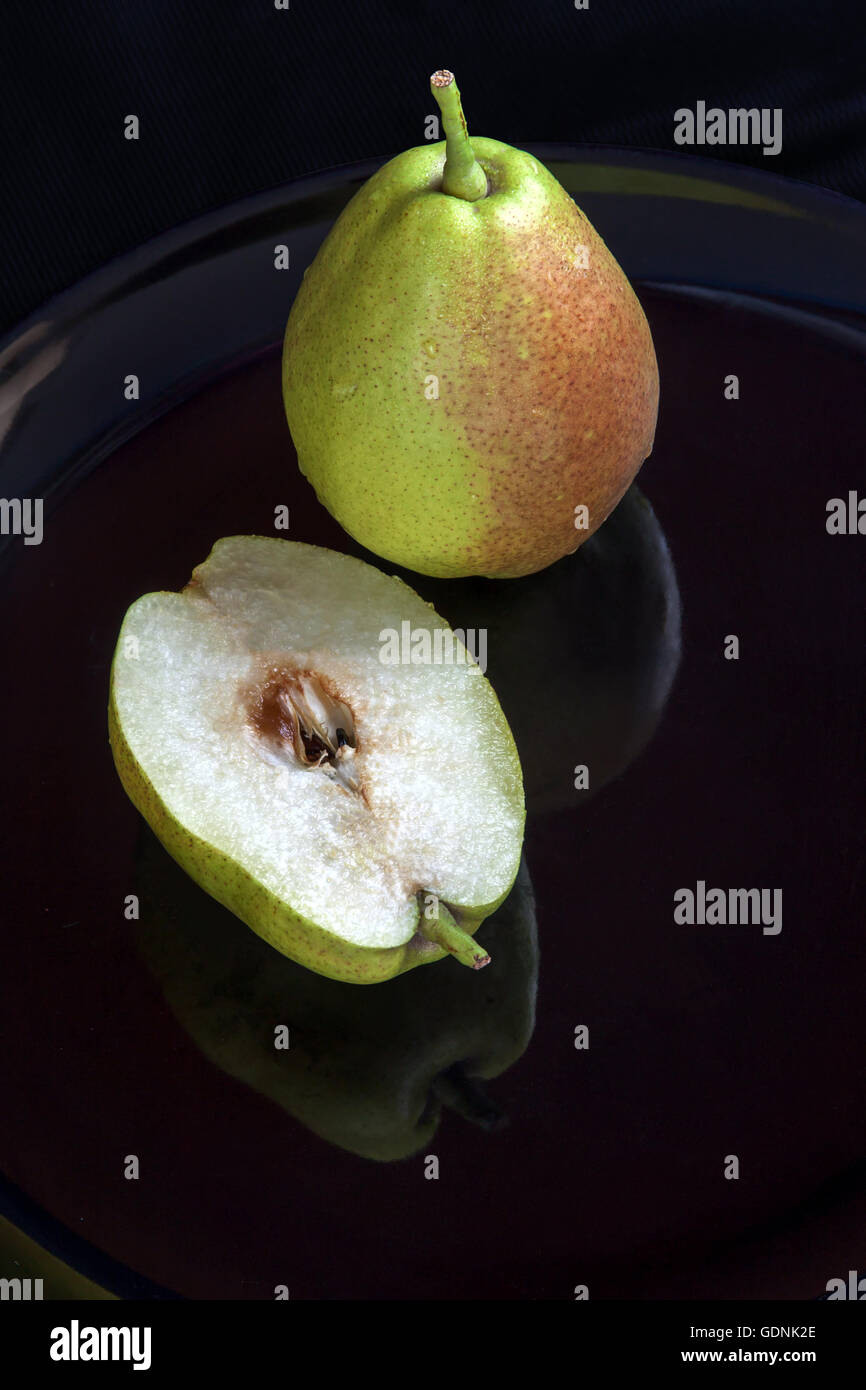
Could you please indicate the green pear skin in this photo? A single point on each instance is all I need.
(459, 375)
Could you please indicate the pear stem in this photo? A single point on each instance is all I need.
(466, 1095)
(444, 932)
(463, 176)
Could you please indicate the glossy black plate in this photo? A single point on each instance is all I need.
(705, 1041)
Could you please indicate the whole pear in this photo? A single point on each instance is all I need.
(468, 376)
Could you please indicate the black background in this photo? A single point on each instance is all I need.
(234, 97)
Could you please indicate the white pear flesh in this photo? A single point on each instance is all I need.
(329, 851)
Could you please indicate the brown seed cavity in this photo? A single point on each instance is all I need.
(302, 719)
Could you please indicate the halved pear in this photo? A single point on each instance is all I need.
(361, 814)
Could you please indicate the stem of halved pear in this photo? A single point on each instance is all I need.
(444, 932)
(463, 177)
(466, 1095)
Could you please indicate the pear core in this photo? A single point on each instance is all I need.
(297, 716)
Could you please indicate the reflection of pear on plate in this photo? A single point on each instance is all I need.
(368, 1070)
(582, 656)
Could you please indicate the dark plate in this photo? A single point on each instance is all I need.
(705, 1041)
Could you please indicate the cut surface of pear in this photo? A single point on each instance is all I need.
(362, 817)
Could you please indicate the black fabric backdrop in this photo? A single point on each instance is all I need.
(235, 96)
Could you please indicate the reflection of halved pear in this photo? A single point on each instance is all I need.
(362, 816)
(366, 1069)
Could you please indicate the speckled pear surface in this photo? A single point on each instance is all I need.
(459, 375)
